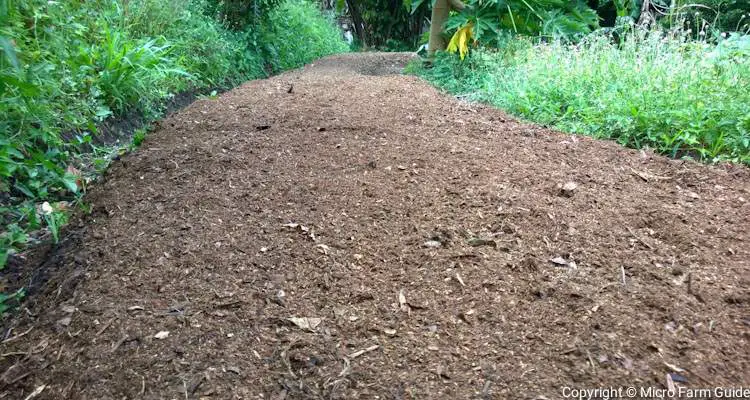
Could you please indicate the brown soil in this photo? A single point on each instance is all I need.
(415, 232)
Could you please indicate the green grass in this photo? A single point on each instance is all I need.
(65, 66)
(680, 97)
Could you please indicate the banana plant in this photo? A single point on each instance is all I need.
(550, 18)
(483, 22)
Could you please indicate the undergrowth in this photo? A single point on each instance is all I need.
(680, 96)
(66, 66)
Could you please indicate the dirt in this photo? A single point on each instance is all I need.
(346, 232)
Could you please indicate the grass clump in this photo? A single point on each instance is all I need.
(661, 90)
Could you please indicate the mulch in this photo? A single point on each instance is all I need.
(346, 232)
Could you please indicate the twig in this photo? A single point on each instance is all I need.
(59, 353)
(104, 328)
(67, 389)
(360, 352)
(639, 239)
(647, 177)
(17, 336)
(591, 360)
(19, 377)
(119, 343)
(15, 353)
(36, 392)
(622, 272)
(460, 280)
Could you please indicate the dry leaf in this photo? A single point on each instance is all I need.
(306, 323)
(568, 189)
(559, 261)
(161, 335)
(323, 248)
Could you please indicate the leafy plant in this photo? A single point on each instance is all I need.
(7, 299)
(486, 21)
(65, 66)
(289, 22)
(657, 89)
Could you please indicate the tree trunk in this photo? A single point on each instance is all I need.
(440, 12)
(357, 21)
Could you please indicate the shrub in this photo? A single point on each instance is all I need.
(681, 97)
(65, 66)
(294, 20)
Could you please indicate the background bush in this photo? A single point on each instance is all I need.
(679, 96)
(298, 33)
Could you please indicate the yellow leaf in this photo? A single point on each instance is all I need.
(460, 40)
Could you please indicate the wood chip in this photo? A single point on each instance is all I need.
(360, 352)
(559, 261)
(476, 242)
(674, 367)
(306, 323)
(568, 189)
(10, 339)
(162, 335)
(403, 305)
(196, 384)
(639, 239)
(104, 328)
(36, 392)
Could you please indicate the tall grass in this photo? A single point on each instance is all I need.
(679, 96)
(65, 66)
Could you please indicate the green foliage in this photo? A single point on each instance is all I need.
(551, 18)
(388, 24)
(680, 97)
(721, 15)
(292, 21)
(214, 55)
(65, 66)
(239, 14)
(7, 300)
